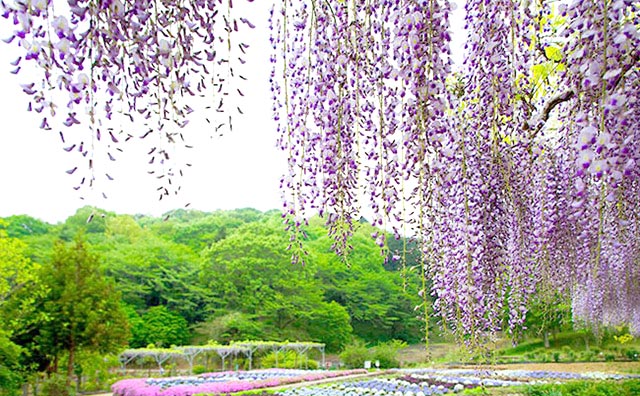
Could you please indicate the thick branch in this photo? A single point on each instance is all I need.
(570, 94)
(555, 101)
(547, 109)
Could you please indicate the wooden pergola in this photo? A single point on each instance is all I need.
(246, 348)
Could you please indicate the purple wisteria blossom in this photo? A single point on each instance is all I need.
(517, 173)
(119, 70)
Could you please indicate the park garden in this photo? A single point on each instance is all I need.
(460, 197)
(162, 325)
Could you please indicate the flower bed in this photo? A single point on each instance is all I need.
(373, 387)
(436, 382)
(220, 383)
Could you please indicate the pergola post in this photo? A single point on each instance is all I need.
(190, 353)
(124, 359)
(160, 358)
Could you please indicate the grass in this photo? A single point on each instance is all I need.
(574, 388)
(564, 347)
(570, 339)
(586, 388)
(571, 347)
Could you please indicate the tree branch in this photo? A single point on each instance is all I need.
(547, 109)
(570, 94)
(555, 101)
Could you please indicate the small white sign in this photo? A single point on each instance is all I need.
(367, 364)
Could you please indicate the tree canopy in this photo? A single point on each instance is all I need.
(231, 281)
(517, 169)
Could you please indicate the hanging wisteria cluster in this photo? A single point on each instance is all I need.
(117, 70)
(518, 172)
(602, 54)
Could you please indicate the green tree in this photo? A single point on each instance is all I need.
(162, 328)
(10, 367)
(379, 302)
(230, 327)
(200, 230)
(19, 226)
(88, 220)
(16, 270)
(250, 271)
(386, 353)
(355, 354)
(80, 310)
(549, 313)
(228, 273)
(123, 229)
(152, 271)
(17, 273)
(137, 332)
(330, 323)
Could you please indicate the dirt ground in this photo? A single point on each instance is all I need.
(579, 367)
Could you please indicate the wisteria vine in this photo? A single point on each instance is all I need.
(124, 70)
(517, 170)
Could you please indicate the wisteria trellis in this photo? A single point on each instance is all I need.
(518, 171)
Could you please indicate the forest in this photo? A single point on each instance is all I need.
(101, 281)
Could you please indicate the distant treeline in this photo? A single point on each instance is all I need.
(192, 276)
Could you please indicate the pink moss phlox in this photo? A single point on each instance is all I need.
(142, 387)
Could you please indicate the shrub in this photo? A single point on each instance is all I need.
(624, 338)
(95, 371)
(387, 353)
(588, 356)
(355, 354)
(10, 376)
(632, 354)
(289, 359)
(199, 369)
(56, 385)
(569, 355)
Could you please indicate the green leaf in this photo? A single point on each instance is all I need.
(553, 53)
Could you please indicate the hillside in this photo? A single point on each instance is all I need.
(192, 276)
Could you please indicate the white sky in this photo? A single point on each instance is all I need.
(240, 169)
